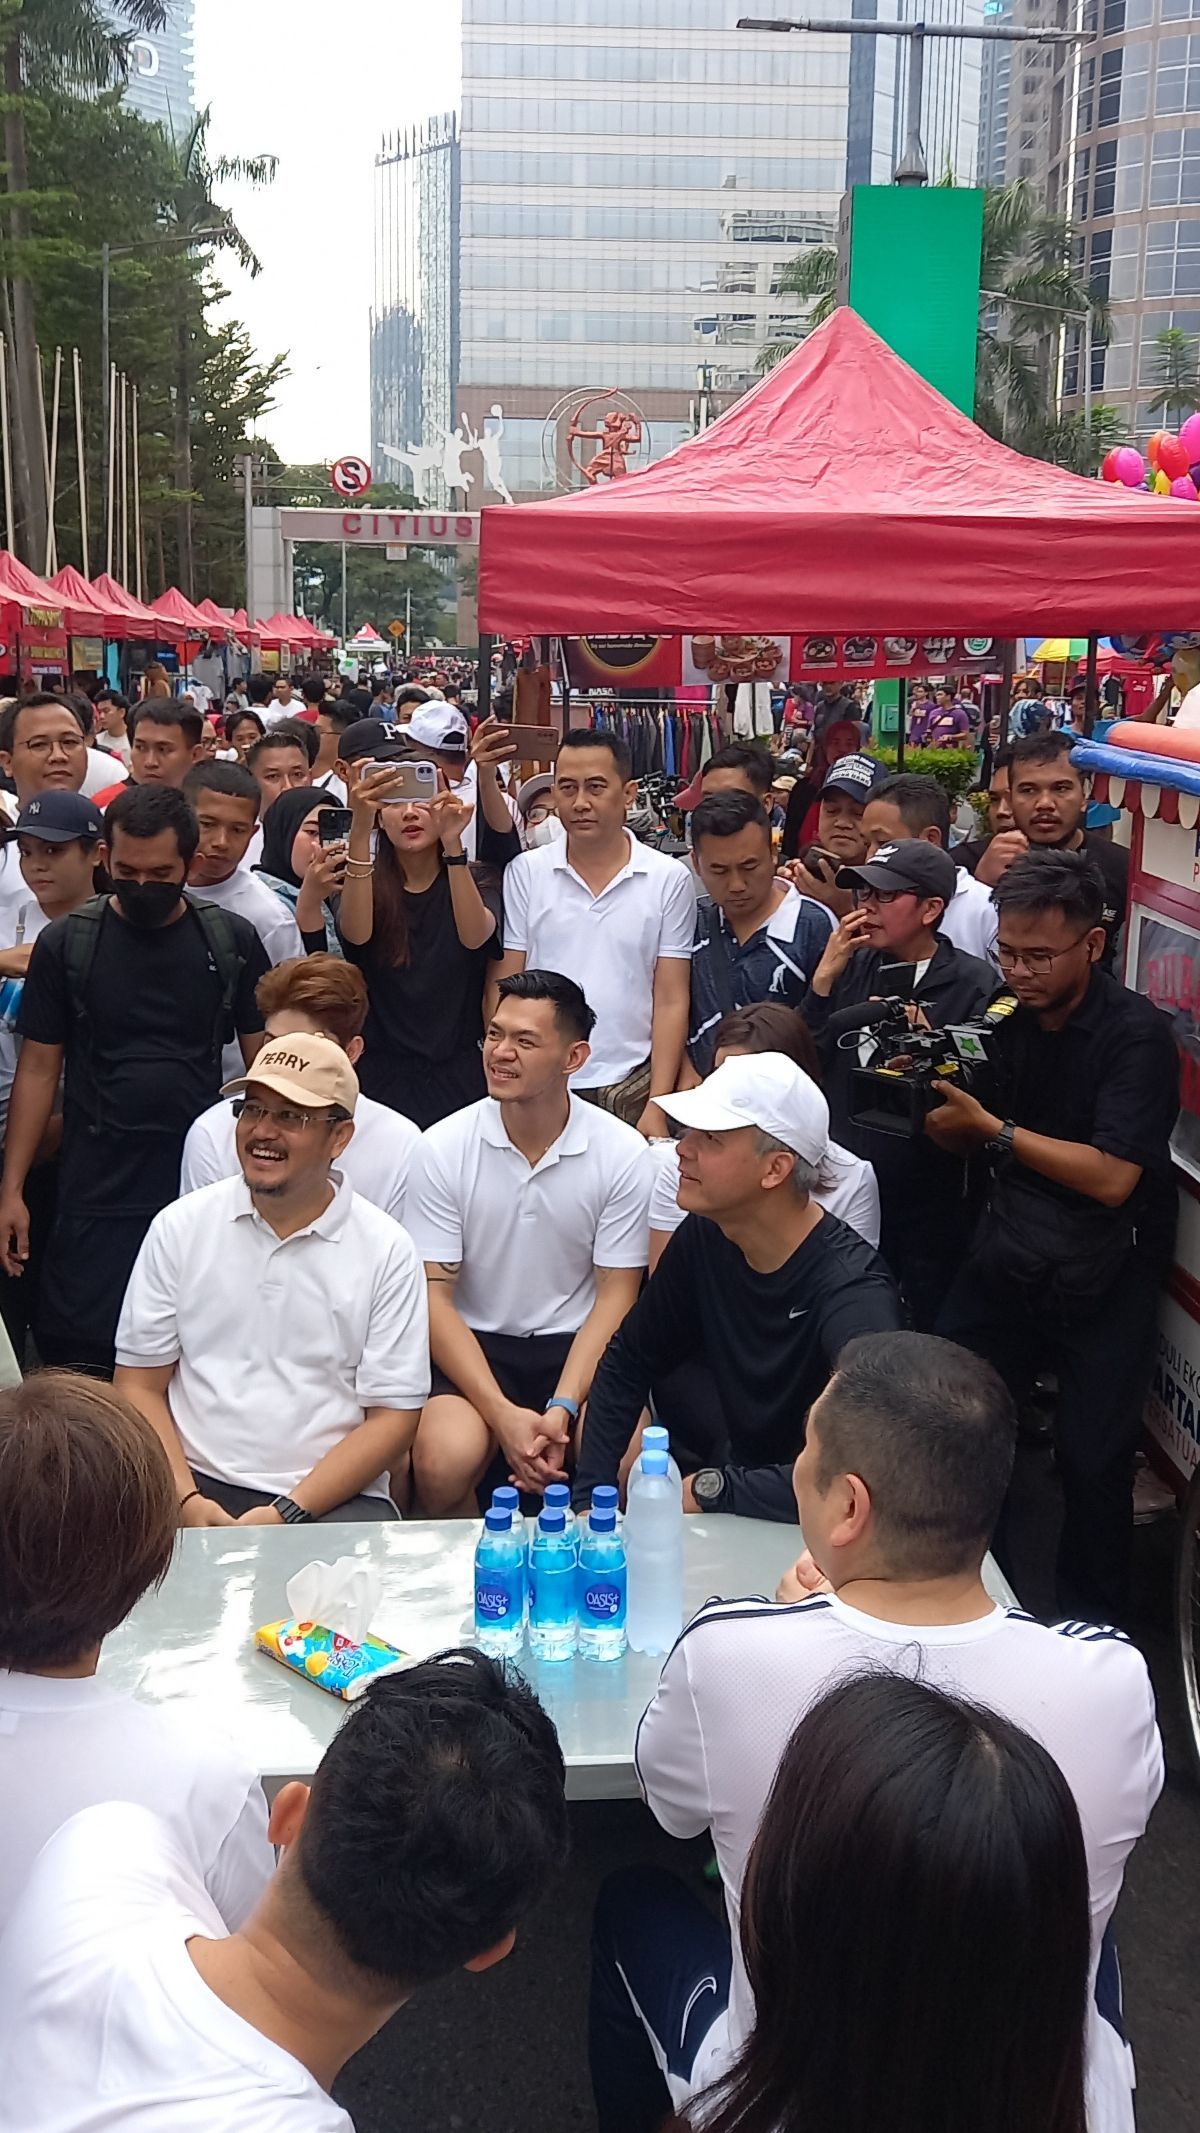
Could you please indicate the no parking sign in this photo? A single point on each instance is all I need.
(351, 476)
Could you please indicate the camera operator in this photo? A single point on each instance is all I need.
(888, 945)
(1067, 1263)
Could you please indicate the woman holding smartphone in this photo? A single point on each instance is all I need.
(305, 843)
(422, 924)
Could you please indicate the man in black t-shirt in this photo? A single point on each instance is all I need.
(130, 999)
(759, 1287)
(1069, 1258)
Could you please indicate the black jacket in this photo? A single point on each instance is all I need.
(955, 988)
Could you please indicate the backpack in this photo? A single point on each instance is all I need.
(80, 945)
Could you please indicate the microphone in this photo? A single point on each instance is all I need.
(867, 1015)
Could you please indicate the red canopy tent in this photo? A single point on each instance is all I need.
(842, 493)
(142, 621)
(20, 588)
(177, 608)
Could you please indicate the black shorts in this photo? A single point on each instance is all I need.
(526, 1366)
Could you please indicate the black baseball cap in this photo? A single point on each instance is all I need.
(914, 865)
(380, 739)
(58, 818)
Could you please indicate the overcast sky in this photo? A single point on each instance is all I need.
(318, 86)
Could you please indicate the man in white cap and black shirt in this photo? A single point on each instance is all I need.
(275, 1330)
(472, 766)
(758, 1285)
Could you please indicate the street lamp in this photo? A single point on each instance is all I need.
(109, 252)
(912, 168)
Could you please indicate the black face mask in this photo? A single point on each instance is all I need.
(147, 903)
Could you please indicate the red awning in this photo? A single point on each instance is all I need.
(20, 588)
(843, 494)
(141, 621)
(176, 608)
(84, 613)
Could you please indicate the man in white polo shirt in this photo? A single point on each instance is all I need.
(275, 1328)
(322, 996)
(531, 1212)
(619, 913)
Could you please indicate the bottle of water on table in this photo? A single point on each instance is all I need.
(499, 1587)
(656, 1439)
(552, 1568)
(654, 1553)
(602, 1585)
(558, 1498)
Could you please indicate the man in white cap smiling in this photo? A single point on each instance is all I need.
(758, 1285)
(275, 1331)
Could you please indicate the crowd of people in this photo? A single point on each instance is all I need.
(378, 1129)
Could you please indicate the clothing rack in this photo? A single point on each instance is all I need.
(674, 740)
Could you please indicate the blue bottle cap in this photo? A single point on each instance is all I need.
(655, 1438)
(498, 1518)
(604, 1497)
(603, 1521)
(505, 1498)
(654, 1462)
(557, 1496)
(552, 1521)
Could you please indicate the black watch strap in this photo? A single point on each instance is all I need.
(456, 859)
(292, 1514)
(708, 1488)
(1002, 1143)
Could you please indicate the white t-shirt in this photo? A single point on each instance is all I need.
(610, 942)
(66, 1745)
(376, 1163)
(744, 1673)
(14, 892)
(529, 1239)
(102, 771)
(280, 1344)
(28, 921)
(851, 1193)
(970, 919)
(105, 2022)
(267, 913)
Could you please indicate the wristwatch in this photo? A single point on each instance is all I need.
(1002, 1143)
(708, 1488)
(292, 1514)
(455, 859)
(563, 1400)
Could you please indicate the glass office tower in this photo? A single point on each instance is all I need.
(414, 320)
(161, 85)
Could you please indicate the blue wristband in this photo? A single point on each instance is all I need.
(568, 1405)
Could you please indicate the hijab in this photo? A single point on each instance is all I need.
(282, 820)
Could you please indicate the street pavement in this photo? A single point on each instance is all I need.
(508, 2049)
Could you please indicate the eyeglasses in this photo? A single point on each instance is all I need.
(863, 895)
(291, 1121)
(1037, 961)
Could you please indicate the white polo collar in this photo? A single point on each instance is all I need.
(573, 1140)
(329, 1224)
(637, 862)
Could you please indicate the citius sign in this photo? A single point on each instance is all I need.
(375, 529)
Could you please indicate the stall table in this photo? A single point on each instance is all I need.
(193, 1641)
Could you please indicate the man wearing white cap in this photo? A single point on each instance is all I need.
(758, 1285)
(275, 1331)
(472, 766)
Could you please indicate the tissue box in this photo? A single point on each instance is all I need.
(334, 1662)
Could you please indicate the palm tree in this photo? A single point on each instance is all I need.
(1176, 374)
(190, 209)
(69, 44)
(1029, 291)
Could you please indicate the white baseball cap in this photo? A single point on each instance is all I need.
(763, 1089)
(439, 725)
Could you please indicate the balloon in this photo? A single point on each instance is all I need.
(1130, 466)
(1189, 436)
(1152, 448)
(1162, 486)
(1195, 473)
(1173, 456)
(1184, 486)
(1108, 471)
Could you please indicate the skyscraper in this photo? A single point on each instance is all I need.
(634, 175)
(160, 83)
(1126, 166)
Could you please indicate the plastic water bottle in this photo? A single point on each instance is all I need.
(499, 1587)
(558, 1498)
(602, 1585)
(552, 1562)
(606, 1498)
(656, 1439)
(506, 1498)
(654, 1551)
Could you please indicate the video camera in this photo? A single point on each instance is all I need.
(896, 1093)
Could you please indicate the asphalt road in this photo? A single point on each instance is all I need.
(507, 2050)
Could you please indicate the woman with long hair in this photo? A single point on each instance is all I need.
(422, 924)
(915, 1927)
(305, 874)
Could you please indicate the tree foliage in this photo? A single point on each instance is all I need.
(1176, 375)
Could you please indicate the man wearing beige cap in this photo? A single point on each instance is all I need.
(759, 1286)
(274, 1330)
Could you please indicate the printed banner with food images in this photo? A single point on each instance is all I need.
(623, 662)
(735, 658)
(818, 657)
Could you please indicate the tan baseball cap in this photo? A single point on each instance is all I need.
(308, 1070)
